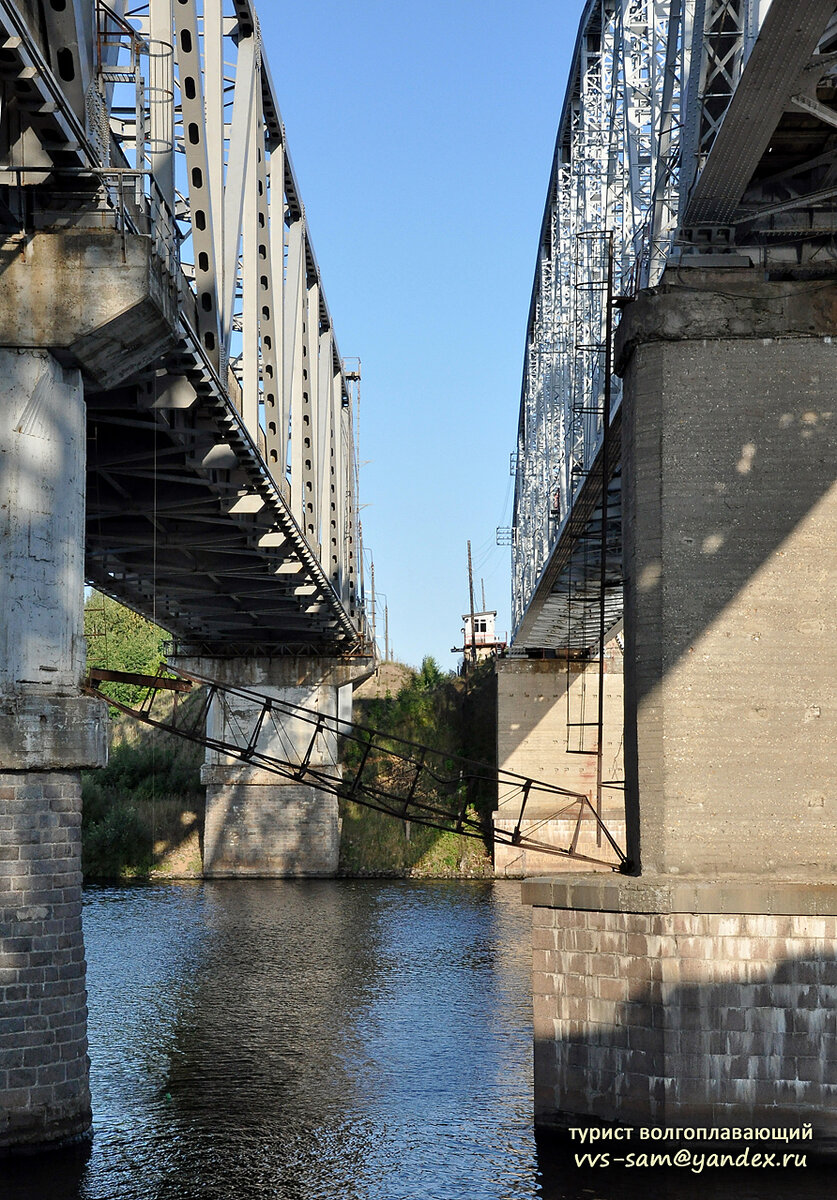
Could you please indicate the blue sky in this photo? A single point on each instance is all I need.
(422, 138)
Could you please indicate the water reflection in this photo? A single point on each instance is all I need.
(305, 1040)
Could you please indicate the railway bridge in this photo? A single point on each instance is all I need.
(178, 431)
(675, 528)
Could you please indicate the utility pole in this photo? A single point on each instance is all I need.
(374, 644)
(386, 633)
(471, 593)
(482, 588)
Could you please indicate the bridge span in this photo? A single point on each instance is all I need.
(675, 500)
(178, 431)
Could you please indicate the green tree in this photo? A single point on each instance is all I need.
(119, 639)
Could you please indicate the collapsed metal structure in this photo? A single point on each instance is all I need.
(222, 468)
(693, 133)
(400, 778)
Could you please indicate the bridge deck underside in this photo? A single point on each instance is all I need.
(210, 550)
(565, 610)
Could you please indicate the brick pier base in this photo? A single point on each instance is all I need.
(661, 1002)
(44, 1093)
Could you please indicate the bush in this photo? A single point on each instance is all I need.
(121, 640)
(452, 717)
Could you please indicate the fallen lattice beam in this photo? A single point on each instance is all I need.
(400, 778)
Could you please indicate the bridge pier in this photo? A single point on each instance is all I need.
(258, 823)
(707, 988)
(534, 739)
(48, 732)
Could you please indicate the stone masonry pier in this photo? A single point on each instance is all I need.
(707, 987)
(663, 1003)
(77, 306)
(534, 739)
(48, 732)
(257, 822)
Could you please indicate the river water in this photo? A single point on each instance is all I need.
(304, 1040)
(360, 1040)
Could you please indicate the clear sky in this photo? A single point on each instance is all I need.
(422, 138)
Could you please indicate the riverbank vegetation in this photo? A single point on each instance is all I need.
(142, 814)
(451, 716)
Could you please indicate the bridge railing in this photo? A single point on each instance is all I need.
(123, 199)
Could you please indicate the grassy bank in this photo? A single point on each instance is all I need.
(142, 814)
(452, 717)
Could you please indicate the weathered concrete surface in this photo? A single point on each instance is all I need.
(730, 515)
(258, 823)
(105, 302)
(740, 305)
(533, 739)
(41, 522)
(708, 1000)
(47, 733)
(42, 733)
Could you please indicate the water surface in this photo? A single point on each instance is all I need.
(360, 1040)
(305, 1040)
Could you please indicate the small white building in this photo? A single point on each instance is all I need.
(482, 641)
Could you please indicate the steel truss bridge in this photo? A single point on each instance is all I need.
(221, 489)
(693, 133)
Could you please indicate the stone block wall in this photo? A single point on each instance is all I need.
(670, 1017)
(259, 822)
(44, 1093)
(520, 861)
(730, 519)
(267, 828)
(535, 740)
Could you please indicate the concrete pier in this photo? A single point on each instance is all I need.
(707, 988)
(258, 823)
(535, 700)
(48, 732)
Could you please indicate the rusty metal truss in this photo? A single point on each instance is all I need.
(400, 778)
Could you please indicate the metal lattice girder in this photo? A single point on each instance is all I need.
(672, 112)
(737, 123)
(402, 779)
(175, 99)
(614, 171)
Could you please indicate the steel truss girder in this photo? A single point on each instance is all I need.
(176, 100)
(669, 109)
(614, 171)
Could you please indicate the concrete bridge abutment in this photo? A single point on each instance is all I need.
(707, 987)
(48, 732)
(257, 822)
(547, 730)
